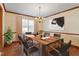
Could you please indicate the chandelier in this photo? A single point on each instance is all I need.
(39, 17)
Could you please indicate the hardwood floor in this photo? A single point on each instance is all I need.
(15, 49)
(74, 51)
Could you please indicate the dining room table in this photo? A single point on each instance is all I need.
(43, 41)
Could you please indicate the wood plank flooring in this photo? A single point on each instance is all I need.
(15, 49)
(74, 51)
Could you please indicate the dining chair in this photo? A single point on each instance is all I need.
(61, 42)
(28, 50)
(31, 42)
(61, 51)
(46, 34)
(57, 35)
(28, 32)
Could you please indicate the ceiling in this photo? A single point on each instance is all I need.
(32, 9)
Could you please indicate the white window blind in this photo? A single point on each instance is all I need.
(27, 25)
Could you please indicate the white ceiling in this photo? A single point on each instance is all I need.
(33, 10)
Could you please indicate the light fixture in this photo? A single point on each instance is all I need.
(39, 17)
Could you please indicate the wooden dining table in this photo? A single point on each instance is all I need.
(43, 41)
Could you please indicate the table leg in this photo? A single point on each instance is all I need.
(43, 47)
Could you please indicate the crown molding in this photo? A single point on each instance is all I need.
(16, 12)
(20, 14)
(4, 7)
(36, 16)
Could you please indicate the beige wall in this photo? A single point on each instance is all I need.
(73, 38)
(15, 22)
(71, 24)
(38, 25)
(10, 21)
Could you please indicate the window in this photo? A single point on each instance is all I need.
(27, 25)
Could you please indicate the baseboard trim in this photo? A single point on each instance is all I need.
(75, 46)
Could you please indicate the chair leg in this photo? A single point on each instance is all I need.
(25, 52)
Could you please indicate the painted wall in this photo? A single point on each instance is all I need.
(71, 24)
(15, 22)
(38, 25)
(10, 21)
